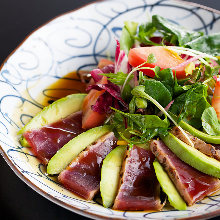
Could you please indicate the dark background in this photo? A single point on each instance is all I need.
(17, 19)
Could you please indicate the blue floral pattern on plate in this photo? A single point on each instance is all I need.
(76, 41)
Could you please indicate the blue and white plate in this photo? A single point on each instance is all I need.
(76, 41)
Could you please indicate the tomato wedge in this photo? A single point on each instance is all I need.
(91, 118)
(165, 59)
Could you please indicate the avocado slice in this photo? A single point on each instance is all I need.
(70, 150)
(192, 156)
(168, 187)
(110, 175)
(54, 112)
(195, 132)
(23, 142)
(199, 134)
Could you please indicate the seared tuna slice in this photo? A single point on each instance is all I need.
(83, 175)
(208, 149)
(139, 189)
(46, 141)
(192, 184)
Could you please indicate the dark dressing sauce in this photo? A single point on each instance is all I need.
(64, 86)
(68, 84)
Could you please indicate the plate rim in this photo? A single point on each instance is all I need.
(34, 186)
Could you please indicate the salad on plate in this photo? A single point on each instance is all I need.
(147, 131)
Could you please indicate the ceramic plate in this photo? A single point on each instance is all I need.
(76, 41)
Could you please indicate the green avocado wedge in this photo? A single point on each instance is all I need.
(195, 132)
(23, 142)
(110, 175)
(168, 187)
(192, 156)
(71, 150)
(199, 134)
(55, 111)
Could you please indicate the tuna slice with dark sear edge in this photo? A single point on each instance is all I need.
(139, 189)
(83, 175)
(192, 184)
(46, 141)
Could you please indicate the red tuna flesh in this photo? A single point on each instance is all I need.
(83, 175)
(46, 141)
(139, 189)
(192, 184)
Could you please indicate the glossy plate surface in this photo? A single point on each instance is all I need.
(76, 41)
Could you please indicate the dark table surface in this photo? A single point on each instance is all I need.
(17, 20)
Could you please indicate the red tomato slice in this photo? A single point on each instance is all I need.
(165, 59)
(91, 118)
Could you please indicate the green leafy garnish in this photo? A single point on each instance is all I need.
(174, 33)
(158, 91)
(118, 78)
(139, 91)
(143, 122)
(141, 128)
(208, 44)
(190, 105)
(145, 32)
(210, 121)
(127, 36)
